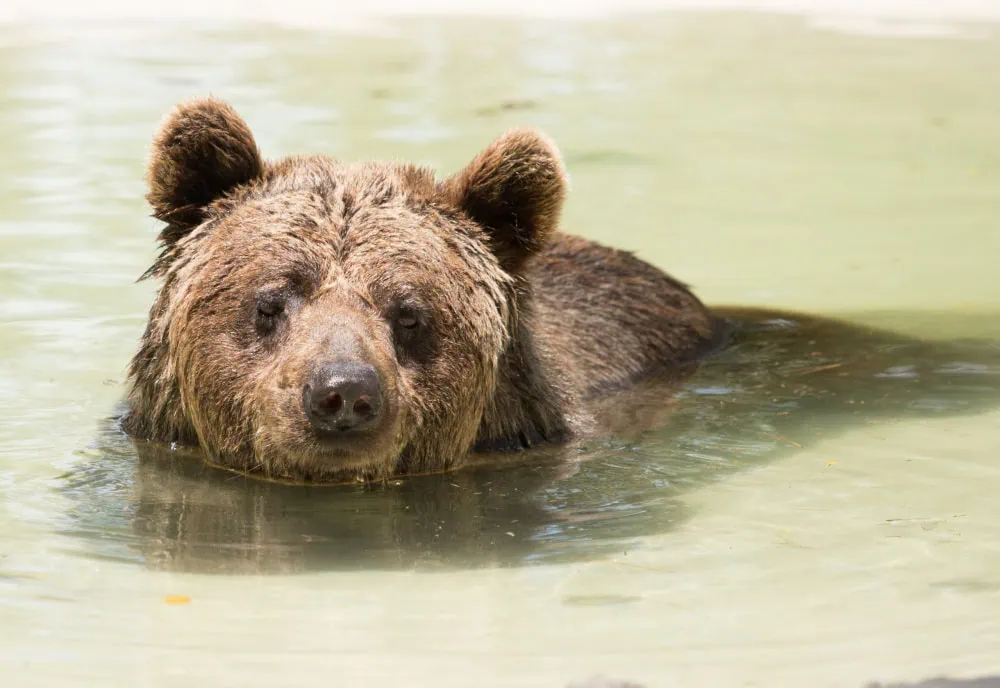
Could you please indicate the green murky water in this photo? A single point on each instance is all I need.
(819, 509)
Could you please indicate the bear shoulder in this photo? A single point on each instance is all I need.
(597, 320)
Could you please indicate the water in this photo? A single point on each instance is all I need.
(820, 507)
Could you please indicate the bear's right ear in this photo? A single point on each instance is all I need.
(203, 151)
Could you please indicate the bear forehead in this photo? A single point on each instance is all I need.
(315, 206)
(371, 221)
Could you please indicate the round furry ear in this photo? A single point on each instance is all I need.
(202, 151)
(514, 190)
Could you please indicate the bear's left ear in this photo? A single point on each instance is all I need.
(203, 151)
(514, 190)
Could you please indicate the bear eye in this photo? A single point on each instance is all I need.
(411, 328)
(270, 308)
(407, 318)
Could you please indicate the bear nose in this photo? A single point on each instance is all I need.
(343, 398)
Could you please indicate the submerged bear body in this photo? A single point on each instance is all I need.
(326, 321)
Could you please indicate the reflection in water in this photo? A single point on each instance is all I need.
(786, 381)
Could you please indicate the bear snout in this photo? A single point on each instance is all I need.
(343, 399)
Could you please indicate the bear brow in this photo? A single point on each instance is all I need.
(376, 184)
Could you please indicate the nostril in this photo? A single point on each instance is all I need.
(343, 398)
(332, 402)
(362, 407)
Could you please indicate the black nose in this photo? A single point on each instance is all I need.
(343, 397)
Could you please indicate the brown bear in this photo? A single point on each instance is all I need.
(327, 321)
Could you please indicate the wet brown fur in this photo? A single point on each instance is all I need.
(531, 329)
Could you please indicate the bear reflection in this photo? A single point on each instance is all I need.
(193, 517)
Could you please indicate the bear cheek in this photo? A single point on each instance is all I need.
(449, 396)
(278, 395)
(206, 378)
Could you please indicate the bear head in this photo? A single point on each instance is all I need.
(320, 320)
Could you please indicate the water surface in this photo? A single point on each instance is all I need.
(818, 505)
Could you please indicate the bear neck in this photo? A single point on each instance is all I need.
(528, 406)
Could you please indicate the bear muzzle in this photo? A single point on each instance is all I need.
(343, 400)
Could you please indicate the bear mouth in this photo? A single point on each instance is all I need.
(341, 444)
(338, 449)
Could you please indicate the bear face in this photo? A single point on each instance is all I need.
(329, 321)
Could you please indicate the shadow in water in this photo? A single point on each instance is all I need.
(785, 381)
